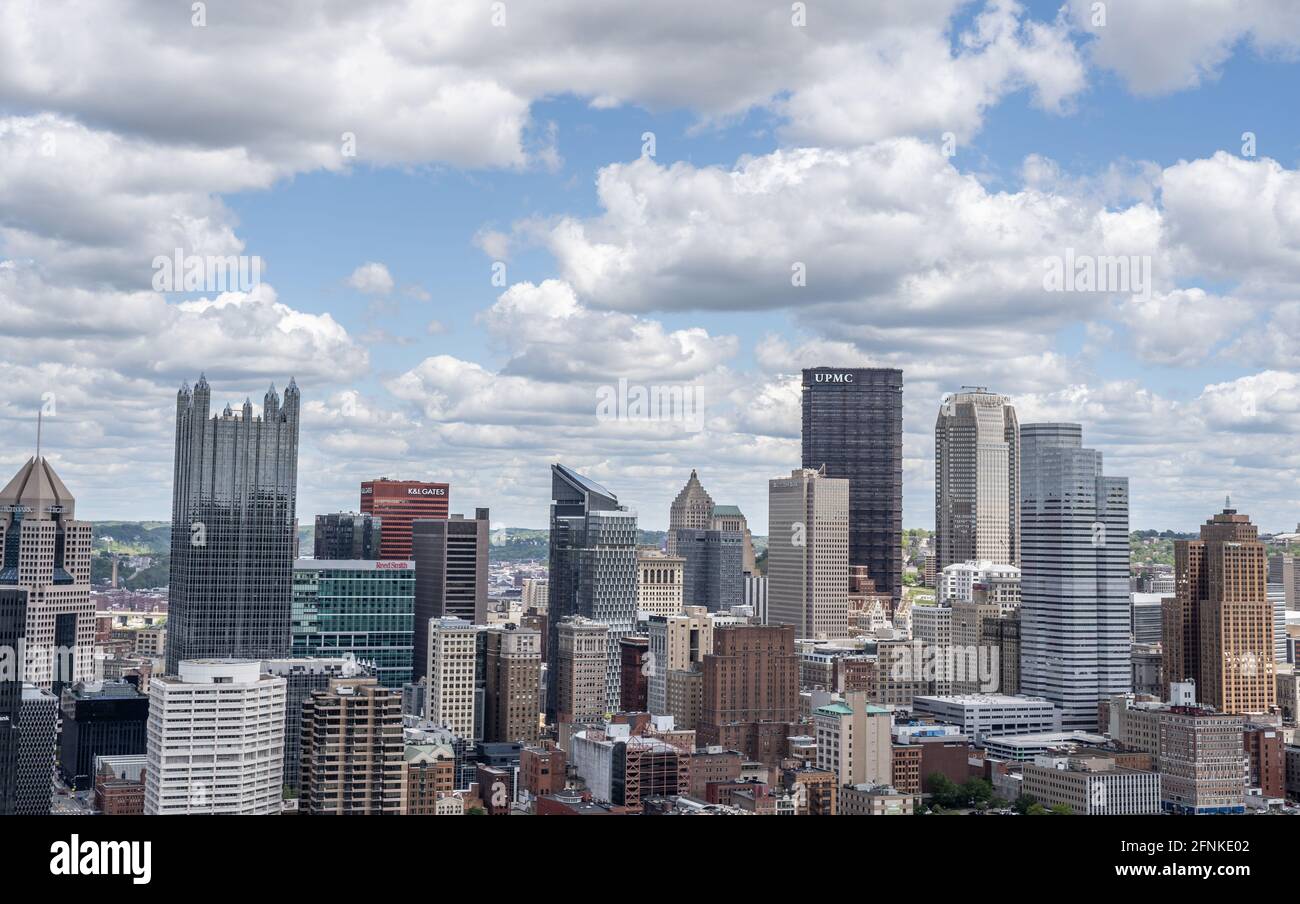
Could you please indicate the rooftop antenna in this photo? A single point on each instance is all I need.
(38, 435)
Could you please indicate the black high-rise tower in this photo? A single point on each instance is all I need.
(853, 424)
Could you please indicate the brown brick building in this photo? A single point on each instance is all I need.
(542, 769)
(512, 683)
(751, 692)
(712, 764)
(430, 774)
(907, 768)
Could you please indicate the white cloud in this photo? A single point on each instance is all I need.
(1159, 47)
(371, 278)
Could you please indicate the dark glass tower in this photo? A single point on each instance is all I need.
(13, 626)
(593, 571)
(233, 500)
(853, 424)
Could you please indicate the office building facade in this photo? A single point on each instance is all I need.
(46, 555)
(301, 677)
(399, 503)
(452, 671)
(976, 479)
(512, 684)
(216, 740)
(1218, 628)
(106, 718)
(1074, 614)
(692, 508)
(234, 500)
(808, 553)
(451, 572)
(593, 563)
(712, 567)
(659, 580)
(853, 425)
(359, 609)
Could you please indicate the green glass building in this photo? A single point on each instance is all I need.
(362, 607)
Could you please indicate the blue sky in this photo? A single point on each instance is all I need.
(774, 145)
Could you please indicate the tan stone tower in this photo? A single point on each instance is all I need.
(46, 553)
(693, 508)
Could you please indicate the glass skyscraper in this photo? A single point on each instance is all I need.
(1074, 613)
(364, 608)
(853, 424)
(593, 570)
(233, 500)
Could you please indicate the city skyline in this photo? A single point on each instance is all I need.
(1020, 133)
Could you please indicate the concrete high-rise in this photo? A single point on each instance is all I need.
(658, 582)
(593, 563)
(512, 685)
(353, 753)
(398, 503)
(213, 705)
(452, 669)
(1218, 628)
(451, 572)
(976, 479)
(234, 497)
(693, 508)
(853, 424)
(678, 643)
(46, 556)
(1074, 615)
(578, 681)
(302, 676)
(808, 553)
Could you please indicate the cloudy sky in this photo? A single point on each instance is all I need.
(472, 216)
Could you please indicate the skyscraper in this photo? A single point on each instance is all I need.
(451, 572)
(13, 628)
(712, 567)
(47, 556)
(214, 705)
(853, 424)
(397, 503)
(38, 731)
(1218, 628)
(578, 677)
(1074, 613)
(512, 684)
(353, 755)
(808, 553)
(976, 479)
(593, 568)
(233, 530)
(692, 508)
(302, 676)
(452, 671)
